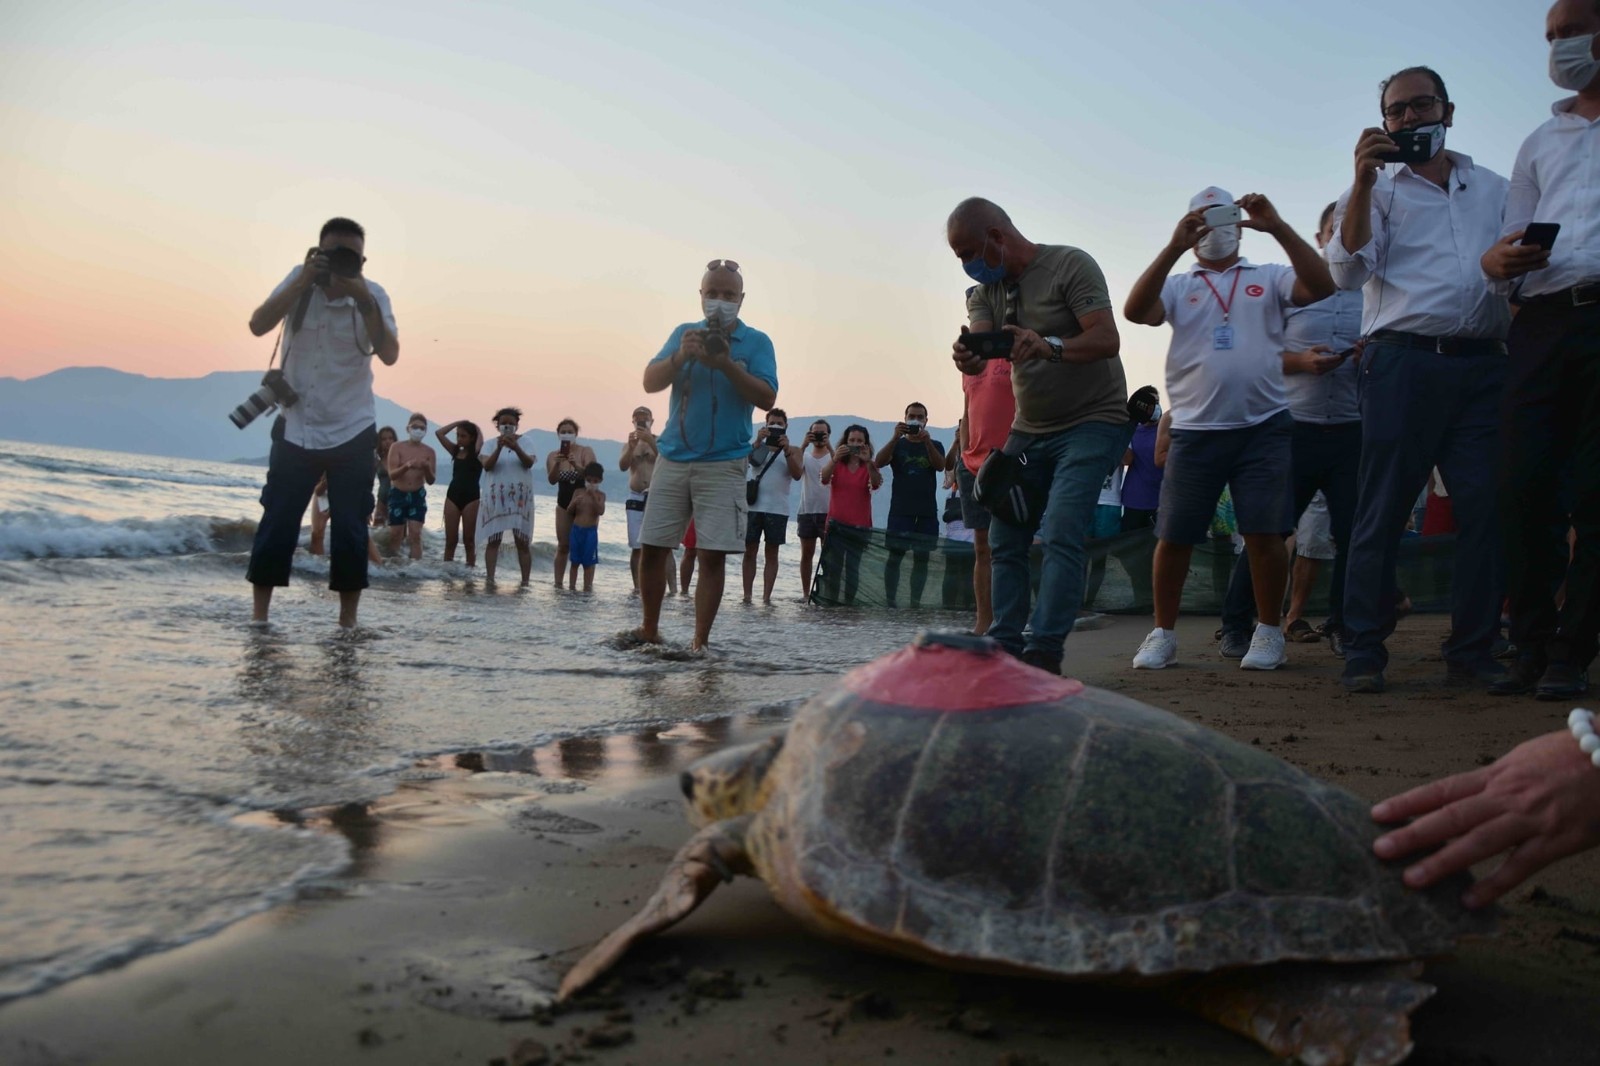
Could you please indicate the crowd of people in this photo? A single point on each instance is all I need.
(1442, 326)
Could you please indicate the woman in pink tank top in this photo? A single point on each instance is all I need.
(852, 478)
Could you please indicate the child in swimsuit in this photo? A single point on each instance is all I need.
(588, 504)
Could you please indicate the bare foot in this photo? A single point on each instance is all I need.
(644, 636)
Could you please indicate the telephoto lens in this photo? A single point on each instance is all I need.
(263, 399)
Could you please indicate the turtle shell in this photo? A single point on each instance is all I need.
(947, 800)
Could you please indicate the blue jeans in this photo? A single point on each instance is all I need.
(292, 475)
(1072, 467)
(1420, 409)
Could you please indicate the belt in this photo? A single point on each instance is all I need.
(1581, 295)
(1442, 345)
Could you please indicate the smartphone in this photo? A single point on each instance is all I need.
(1542, 234)
(1222, 215)
(1411, 146)
(991, 344)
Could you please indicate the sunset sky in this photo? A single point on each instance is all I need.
(543, 183)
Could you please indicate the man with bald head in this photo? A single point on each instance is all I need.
(1071, 422)
(719, 370)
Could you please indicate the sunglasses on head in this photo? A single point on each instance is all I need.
(723, 264)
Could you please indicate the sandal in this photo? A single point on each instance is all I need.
(1300, 632)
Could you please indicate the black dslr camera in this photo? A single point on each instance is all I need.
(274, 392)
(343, 262)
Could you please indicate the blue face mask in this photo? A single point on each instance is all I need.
(981, 272)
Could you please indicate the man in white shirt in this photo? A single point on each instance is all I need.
(774, 465)
(1230, 414)
(1319, 377)
(1551, 414)
(338, 320)
(1410, 237)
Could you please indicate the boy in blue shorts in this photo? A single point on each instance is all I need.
(588, 504)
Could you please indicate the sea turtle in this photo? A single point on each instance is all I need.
(950, 804)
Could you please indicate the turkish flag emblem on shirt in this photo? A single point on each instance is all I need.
(1254, 290)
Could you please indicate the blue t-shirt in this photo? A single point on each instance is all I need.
(916, 480)
(707, 421)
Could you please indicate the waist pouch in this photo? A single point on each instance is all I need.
(1002, 486)
(635, 505)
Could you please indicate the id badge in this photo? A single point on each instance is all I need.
(1222, 338)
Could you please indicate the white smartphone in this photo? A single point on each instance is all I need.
(1222, 215)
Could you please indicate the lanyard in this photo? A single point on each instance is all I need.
(1226, 307)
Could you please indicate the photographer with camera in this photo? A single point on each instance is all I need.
(916, 460)
(719, 370)
(767, 495)
(338, 320)
(812, 522)
(1046, 308)
(1411, 232)
(638, 461)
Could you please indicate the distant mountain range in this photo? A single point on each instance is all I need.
(97, 407)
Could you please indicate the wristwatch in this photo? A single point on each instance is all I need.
(1055, 349)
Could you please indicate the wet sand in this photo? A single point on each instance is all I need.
(472, 890)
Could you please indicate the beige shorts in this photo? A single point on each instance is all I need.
(710, 493)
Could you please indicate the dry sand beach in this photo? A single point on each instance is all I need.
(478, 882)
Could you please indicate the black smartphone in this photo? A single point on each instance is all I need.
(1411, 146)
(1542, 234)
(992, 344)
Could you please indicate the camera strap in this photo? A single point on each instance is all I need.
(299, 318)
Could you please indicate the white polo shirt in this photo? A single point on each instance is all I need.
(1557, 179)
(329, 363)
(1420, 272)
(1217, 387)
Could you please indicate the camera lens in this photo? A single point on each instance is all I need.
(261, 400)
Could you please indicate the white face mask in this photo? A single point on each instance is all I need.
(1572, 62)
(592, 484)
(415, 433)
(507, 429)
(779, 430)
(914, 425)
(566, 438)
(1219, 244)
(720, 312)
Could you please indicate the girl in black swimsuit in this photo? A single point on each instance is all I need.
(461, 498)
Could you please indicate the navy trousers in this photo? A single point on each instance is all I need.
(292, 475)
(1550, 480)
(1326, 458)
(1421, 409)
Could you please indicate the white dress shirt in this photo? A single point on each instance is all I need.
(1557, 179)
(1420, 271)
(329, 363)
(1238, 386)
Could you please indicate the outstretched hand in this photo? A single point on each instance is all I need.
(1540, 802)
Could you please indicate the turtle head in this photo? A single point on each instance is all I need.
(729, 783)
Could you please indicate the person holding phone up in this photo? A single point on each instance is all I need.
(1230, 425)
(1551, 414)
(1319, 376)
(1071, 423)
(1410, 236)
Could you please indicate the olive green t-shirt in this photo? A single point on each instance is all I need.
(1060, 286)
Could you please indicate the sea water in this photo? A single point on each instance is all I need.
(146, 728)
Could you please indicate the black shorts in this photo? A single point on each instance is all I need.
(1254, 462)
(974, 515)
(811, 526)
(775, 527)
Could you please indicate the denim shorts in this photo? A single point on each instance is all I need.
(758, 524)
(1255, 462)
(974, 515)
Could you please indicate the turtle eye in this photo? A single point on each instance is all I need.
(686, 782)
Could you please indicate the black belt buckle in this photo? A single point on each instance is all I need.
(1586, 295)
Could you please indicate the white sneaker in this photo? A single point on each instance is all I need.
(1266, 649)
(1157, 651)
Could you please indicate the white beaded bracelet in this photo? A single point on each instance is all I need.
(1581, 723)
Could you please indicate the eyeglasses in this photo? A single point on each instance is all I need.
(1419, 105)
(723, 264)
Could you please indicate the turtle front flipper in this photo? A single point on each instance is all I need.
(1320, 1014)
(712, 855)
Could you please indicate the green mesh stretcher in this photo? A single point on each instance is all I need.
(875, 569)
